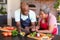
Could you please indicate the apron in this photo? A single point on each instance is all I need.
(25, 23)
(44, 26)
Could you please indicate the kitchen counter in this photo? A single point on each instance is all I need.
(57, 37)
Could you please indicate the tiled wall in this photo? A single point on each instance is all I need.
(12, 5)
(40, 4)
(50, 4)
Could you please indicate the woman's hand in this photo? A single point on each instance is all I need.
(33, 29)
(37, 27)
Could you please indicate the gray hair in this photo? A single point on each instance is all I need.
(46, 10)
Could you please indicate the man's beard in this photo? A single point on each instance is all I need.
(25, 13)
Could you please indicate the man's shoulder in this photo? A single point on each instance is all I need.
(17, 10)
(31, 12)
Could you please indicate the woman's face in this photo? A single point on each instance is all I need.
(43, 15)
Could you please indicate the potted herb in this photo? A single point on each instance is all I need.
(57, 7)
(57, 4)
(3, 11)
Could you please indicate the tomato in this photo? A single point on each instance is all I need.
(10, 28)
(9, 33)
(5, 34)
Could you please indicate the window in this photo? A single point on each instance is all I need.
(3, 1)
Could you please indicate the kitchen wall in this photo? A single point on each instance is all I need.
(50, 4)
(12, 5)
(37, 4)
(41, 3)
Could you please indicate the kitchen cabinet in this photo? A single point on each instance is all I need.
(3, 20)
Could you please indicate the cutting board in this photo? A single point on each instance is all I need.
(4, 29)
(40, 38)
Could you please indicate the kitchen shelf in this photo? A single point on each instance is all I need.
(58, 23)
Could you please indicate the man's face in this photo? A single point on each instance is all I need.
(24, 8)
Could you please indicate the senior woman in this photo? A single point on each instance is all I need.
(47, 22)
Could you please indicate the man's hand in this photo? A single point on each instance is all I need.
(19, 29)
(27, 28)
